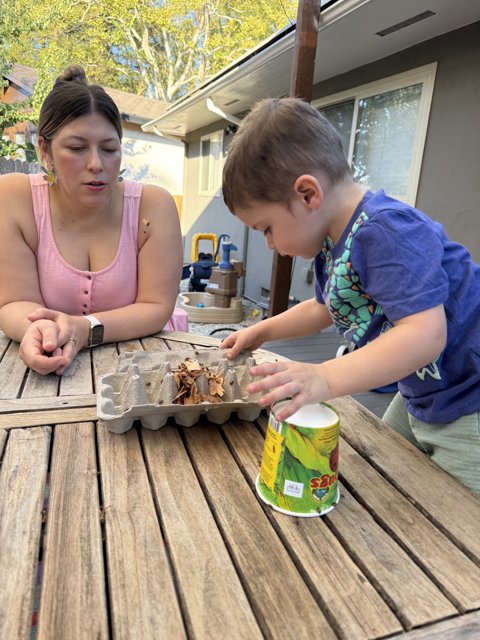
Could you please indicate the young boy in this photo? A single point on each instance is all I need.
(386, 276)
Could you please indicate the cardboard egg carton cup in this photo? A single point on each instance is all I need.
(144, 388)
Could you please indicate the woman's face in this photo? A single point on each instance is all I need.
(86, 154)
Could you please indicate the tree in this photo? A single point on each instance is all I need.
(10, 114)
(158, 48)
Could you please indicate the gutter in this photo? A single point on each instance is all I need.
(279, 43)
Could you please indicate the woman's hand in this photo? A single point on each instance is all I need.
(299, 382)
(51, 342)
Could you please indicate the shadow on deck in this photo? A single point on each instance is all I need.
(318, 348)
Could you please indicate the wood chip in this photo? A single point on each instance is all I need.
(186, 380)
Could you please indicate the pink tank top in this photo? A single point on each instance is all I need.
(65, 288)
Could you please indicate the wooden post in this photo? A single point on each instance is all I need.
(306, 35)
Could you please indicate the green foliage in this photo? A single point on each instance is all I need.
(157, 48)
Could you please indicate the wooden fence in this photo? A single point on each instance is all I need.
(18, 166)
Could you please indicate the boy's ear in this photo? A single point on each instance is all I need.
(309, 189)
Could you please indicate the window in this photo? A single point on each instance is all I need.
(383, 126)
(211, 156)
(19, 137)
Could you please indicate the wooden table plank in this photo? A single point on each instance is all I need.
(449, 504)
(48, 417)
(209, 587)
(77, 379)
(142, 596)
(3, 439)
(73, 559)
(4, 342)
(284, 606)
(414, 598)
(464, 628)
(38, 386)
(385, 561)
(12, 372)
(358, 610)
(22, 489)
(445, 562)
(39, 404)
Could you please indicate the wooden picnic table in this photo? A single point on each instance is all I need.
(160, 534)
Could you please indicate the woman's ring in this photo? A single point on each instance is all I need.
(74, 341)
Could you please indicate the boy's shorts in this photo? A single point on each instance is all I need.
(454, 446)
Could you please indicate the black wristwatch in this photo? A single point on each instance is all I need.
(96, 331)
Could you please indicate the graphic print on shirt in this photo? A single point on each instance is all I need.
(432, 370)
(350, 307)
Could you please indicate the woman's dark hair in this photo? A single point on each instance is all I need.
(71, 97)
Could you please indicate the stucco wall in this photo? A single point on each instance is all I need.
(151, 159)
(449, 187)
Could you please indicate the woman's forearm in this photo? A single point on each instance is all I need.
(13, 318)
(133, 321)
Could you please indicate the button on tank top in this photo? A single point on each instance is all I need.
(76, 292)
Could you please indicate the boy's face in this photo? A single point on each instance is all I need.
(292, 230)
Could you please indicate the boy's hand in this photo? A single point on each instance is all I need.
(248, 338)
(301, 383)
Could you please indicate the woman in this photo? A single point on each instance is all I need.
(80, 241)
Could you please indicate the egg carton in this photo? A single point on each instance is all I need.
(143, 388)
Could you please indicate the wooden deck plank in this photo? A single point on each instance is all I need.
(284, 606)
(142, 597)
(22, 489)
(210, 589)
(427, 483)
(358, 610)
(73, 557)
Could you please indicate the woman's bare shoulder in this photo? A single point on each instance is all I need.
(16, 201)
(154, 195)
(15, 186)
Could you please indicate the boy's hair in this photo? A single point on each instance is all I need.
(278, 141)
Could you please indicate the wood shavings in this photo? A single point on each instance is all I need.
(188, 378)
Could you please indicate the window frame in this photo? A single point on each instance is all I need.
(215, 166)
(424, 75)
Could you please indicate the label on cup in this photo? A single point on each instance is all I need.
(299, 469)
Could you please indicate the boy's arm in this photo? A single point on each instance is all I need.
(301, 320)
(412, 343)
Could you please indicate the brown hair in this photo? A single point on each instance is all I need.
(278, 141)
(72, 97)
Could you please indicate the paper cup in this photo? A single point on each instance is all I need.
(299, 470)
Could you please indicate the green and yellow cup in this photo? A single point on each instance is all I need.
(299, 470)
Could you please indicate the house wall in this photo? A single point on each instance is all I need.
(151, 159)
(13, 93)
(206, 214)
(449, 188)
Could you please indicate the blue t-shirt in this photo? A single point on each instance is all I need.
(393, 261)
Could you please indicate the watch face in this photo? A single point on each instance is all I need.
(96, 335)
